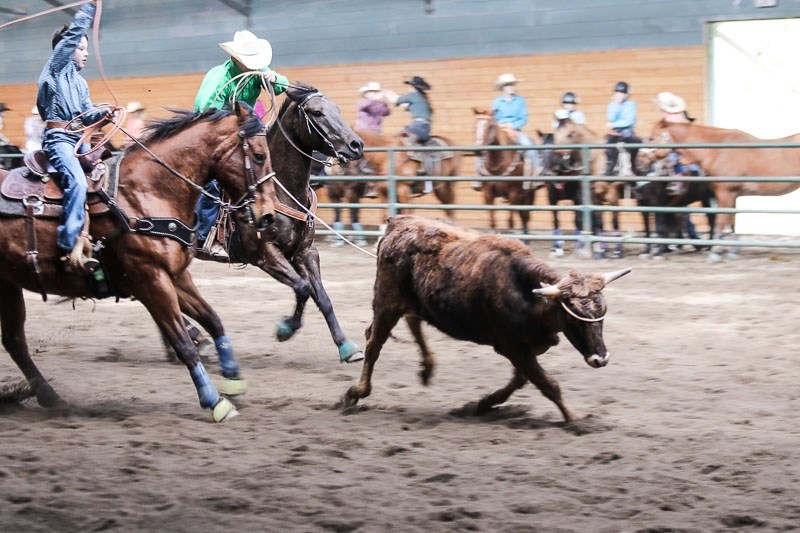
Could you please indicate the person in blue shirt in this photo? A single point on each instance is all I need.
(63, 94)
(510, 110)
(621, 120)
(569, 109)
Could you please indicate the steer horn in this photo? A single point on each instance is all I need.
(548, 291)
(611, 276)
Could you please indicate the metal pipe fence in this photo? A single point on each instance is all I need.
(585, 238)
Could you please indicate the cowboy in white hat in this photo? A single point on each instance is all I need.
(371, 108)
(247, 53)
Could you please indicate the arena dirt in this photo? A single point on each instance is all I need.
(691, 427)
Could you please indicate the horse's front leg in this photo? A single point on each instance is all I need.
(308, 267)
(197, 308)
(158, 294)
(274, 263)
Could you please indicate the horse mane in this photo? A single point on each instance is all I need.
(296, 93)
(160, 130)
(717, 134)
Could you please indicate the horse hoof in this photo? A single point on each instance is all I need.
(232, 387)
(285, 331)
(714, 257)
(224, 410)
(350, 353)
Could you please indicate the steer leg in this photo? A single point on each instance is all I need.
(531, 368)
(501, 395)
(427, 363)
(378, 332)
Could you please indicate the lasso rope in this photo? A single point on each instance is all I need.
(42, 13)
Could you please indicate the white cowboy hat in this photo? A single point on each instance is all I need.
(506, 79)
(249, 50)
(670, 103)
(34, 110)
(133, 107)
(371, 86)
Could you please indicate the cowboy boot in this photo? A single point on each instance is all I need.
(80, 258)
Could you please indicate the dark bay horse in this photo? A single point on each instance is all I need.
(307, 121)
(732, 162)
(603, 192)
(501, 163)
(409, 167)
(144, 238)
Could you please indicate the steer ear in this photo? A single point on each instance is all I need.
(548, 291)
(611, 276)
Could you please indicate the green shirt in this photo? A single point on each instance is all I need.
(209, 95)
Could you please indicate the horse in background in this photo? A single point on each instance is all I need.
(670, 194)
(501, 163)
(10, 163)
(410, 167)
(603, 192)
(732, 162)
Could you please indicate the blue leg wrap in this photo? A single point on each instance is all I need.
(228, 365)
(206, 390)
(347, 349)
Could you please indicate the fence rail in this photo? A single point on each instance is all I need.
(585, 237)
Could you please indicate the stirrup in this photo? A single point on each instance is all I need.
(77, 260)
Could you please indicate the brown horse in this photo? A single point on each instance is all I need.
(501, 163)
(142, 238)
(603, 192)
(408, 165)
(732, 162)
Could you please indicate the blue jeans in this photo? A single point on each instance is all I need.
(59, 147)
(207, 211)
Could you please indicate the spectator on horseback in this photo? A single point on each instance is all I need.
(673, 109)
(621, 120)
(510, 110)
(63, 95)
(569, 109)
(247, 53)
(34, 129)
(3, 109)
(418, 105)
(372, 109)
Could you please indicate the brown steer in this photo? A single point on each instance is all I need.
(485, 289)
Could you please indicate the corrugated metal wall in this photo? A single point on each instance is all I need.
(151, 37)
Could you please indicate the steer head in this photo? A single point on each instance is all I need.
(582, 311)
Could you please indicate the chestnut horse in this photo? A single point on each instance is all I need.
(732, 162)
(143, 236)
(307, 121)
(501, 163)
(407, 166)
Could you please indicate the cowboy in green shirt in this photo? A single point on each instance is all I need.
(219, 89)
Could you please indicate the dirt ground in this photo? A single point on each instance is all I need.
(691, 427)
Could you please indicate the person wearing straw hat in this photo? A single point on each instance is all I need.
(220, 87)
(63, 94)
(34, 129)
(372, 109)
(673, 109)
(135, 124)
(510, 110)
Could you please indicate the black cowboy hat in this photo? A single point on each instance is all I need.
(418, 83)
(3, 107)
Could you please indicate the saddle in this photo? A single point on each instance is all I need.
(38, 183)
(431, 161)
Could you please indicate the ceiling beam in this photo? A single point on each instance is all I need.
(242, 9)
